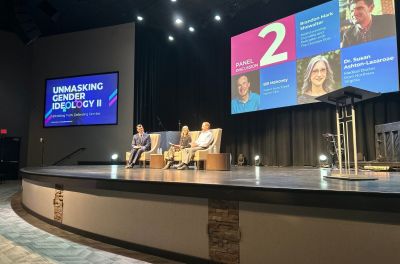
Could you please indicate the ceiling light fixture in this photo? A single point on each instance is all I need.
(217, 17)
(178, 21)
(191, 29)
(170, 38)
(139, 18)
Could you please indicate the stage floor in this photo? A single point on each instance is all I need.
(255, 178)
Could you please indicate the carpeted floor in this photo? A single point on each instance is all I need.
(26, 239)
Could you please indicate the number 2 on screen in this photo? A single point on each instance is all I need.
(269, 56)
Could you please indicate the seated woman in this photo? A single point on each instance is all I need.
(184, 142)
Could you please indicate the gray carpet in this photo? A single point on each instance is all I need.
(23, 242)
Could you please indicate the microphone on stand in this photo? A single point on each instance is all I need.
(179, 125)
(160, 124)
(42, 142)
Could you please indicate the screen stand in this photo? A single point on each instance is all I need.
(345, 99)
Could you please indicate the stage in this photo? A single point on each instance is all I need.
(159, 211)
(247, 183)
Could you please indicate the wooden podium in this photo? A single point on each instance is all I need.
(344, 99)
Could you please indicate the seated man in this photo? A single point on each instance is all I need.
(203, 141)
(141, 142)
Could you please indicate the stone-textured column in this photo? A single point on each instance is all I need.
(58, 203)
(223, 231)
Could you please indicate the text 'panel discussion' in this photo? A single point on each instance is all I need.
(199, 131)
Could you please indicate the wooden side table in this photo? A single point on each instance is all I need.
(218, 161)
(157, 161)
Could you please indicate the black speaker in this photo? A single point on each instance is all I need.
(27, 29)
(49, 10)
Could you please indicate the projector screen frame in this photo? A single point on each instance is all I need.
(308, 104)
(76, 76)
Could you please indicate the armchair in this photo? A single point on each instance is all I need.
(155, 144)
(201, 155)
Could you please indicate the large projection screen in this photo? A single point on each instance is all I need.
(81, 100)
(295, 59)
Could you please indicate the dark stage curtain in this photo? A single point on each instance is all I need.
(189, 80)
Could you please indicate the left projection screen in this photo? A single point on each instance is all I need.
(81, 100)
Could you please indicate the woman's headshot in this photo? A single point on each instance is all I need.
(318, 79)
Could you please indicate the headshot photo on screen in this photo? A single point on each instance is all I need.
(245, 91)
(317, 76)
(366, 20)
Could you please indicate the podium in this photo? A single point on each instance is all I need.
(344, 99)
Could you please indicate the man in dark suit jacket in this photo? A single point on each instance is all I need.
(366, 26)
(141, 142)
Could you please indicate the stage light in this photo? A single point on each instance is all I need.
(139, 18)
(217, 18)
(241, 160)
(323, 161)
(191, 29)
(257, 160)
(170, 38)
(173, 1)
(114, 159)
(178, 21)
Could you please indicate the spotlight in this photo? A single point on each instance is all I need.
(191, 29)
(241, 160)
(178, 21)
(217, 18)
(139, 18)
(114, 159)
(257, 160)
(323, 161)
(173, 1)
(170, 38)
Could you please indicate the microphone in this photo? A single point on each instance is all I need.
(179, 125)
(160, 124)
(42, 142)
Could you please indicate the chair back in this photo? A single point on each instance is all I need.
(217, 134)
(155, 142)
(194, 135)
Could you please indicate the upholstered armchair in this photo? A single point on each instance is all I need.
(155, 144)
(178, 154)
(201, 155)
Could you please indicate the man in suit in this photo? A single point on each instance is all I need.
(367, 27)
(141, 142)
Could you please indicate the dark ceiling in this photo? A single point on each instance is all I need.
(33, 18)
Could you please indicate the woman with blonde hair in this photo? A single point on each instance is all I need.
(184, 142)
